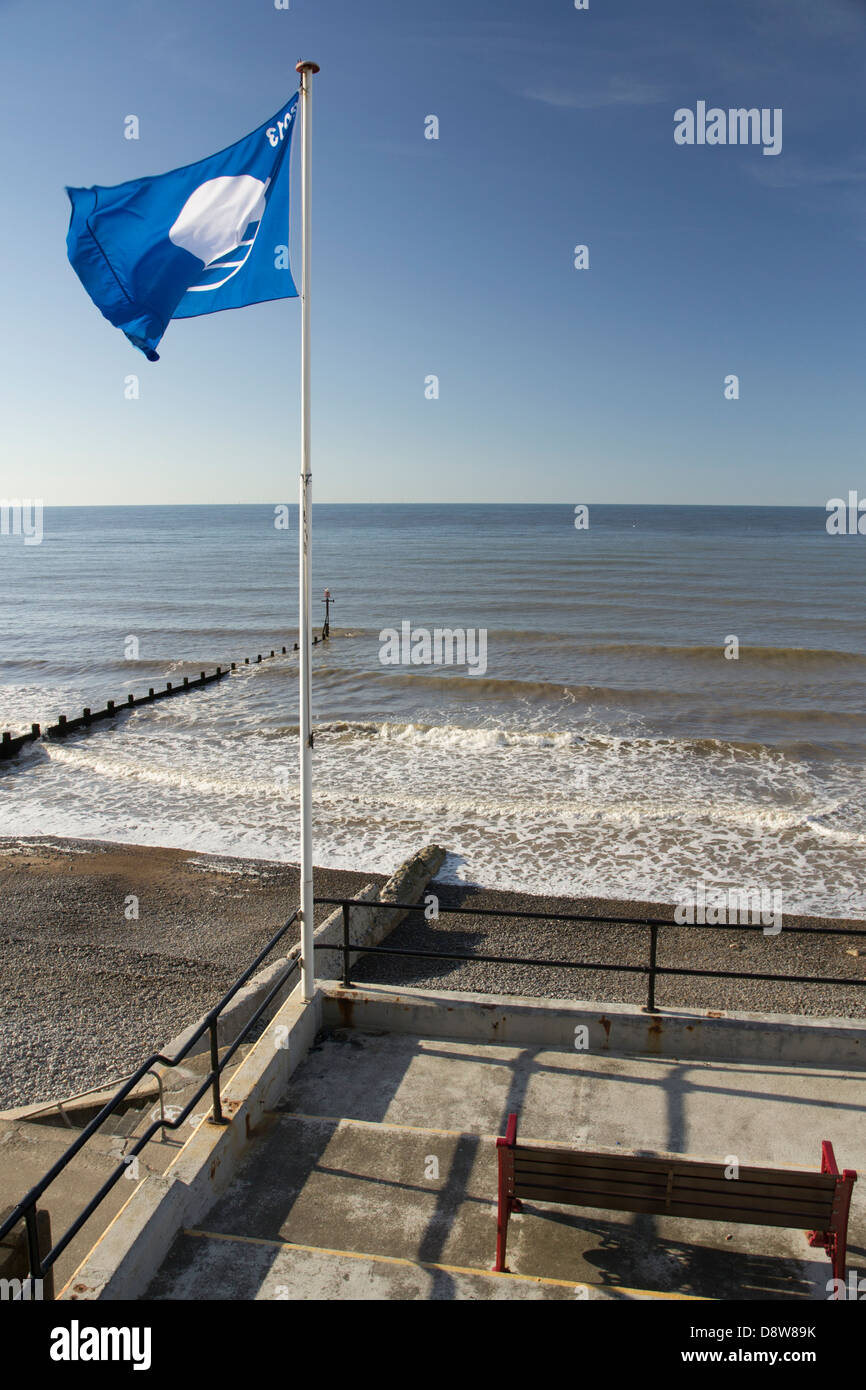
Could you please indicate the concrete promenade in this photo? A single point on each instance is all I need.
(374, 1176)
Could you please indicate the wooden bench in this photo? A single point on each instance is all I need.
(814, 1202)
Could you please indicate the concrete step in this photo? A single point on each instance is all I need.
(27, 1151)
(28, 1148)
(317, 1194)
(207, 1266)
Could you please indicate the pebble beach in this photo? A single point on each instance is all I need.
(90, 990)
(87, 991)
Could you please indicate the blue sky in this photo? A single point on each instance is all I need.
(455, 256)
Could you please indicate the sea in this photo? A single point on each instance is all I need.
(669, 696)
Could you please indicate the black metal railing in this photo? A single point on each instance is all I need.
(28, 1208)
(651, 969)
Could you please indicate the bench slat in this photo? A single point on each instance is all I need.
(731, 1190)
(654, 1206)
(723, 1193)
(529, 1158)
(598, 1194)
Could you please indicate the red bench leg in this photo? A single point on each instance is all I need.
(505, 1203)
(835, 1240)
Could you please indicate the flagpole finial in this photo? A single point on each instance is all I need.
(306, 66)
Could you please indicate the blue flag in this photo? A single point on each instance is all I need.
(213, 235)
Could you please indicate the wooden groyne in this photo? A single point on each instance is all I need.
(87, 717)
(11, 744)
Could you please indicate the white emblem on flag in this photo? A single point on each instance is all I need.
(219, 219)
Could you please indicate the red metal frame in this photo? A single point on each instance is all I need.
(507, 1202)
(835, 1239)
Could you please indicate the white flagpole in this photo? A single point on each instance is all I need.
(305, 729)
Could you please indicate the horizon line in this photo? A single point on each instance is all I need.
(754, 506)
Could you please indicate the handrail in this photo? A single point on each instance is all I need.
(613, 917)
(26, 1209)
(651, 970)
